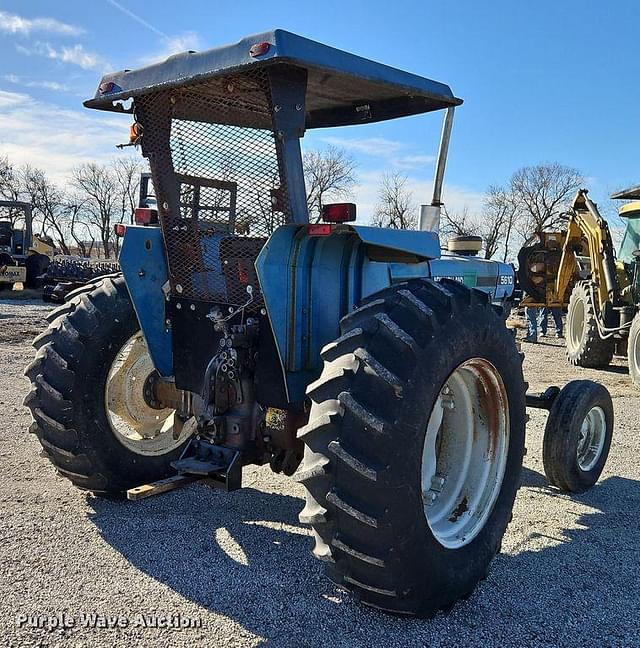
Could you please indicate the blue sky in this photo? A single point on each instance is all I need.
(542, 81)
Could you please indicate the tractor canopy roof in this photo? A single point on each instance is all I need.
(633, 193)
(341, 88)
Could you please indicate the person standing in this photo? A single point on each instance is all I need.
(543, 321)
(532, 315)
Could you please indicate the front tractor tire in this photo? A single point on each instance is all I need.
(578, 436)
(414, 446)
(92, 423)
(585, 347)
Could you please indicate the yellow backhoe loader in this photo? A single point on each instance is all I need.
(579, 269)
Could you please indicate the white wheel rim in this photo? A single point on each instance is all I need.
(465, 453)
(635, 351)
(141, 428)
(593, 433)
(575, 324)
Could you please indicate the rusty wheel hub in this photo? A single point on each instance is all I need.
(465, 452)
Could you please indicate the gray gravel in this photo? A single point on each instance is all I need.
(238, 565)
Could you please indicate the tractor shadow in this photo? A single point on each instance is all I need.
(615, 369)
(534, 479)
(245, 556)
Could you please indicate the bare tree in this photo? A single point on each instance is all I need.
(498, 221)
(396, 207)
(486, 225)
(10, 190)
(494, 224)
(99, 185)
(327, 173)
(267, 203)
(79, 222)
(543, 193)
(457, 223)
(127, 175)
(535, 199)
(47, 201)
(126, 172)
(9, 184)
(6, 175)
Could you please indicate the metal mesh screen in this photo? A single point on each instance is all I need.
(231, 171)
(221, 184)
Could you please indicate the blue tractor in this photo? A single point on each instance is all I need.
(361, 359)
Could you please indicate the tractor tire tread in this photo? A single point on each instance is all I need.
(593, 352)
(56, 387)
(346, 502)
(561, 434)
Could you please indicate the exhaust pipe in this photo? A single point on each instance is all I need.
(430, 214)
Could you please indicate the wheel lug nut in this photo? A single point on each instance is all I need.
(429, 497)
(448, 403)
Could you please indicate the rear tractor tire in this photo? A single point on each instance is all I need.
(414, 446)
(577, 436)
(87, 380)
(585, 347)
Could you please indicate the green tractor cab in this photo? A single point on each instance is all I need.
(630, 211)
(358, 358)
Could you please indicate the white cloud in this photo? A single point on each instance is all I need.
(173, 45)
(413, 161)
(397, 154)
(378, 146)
(14, 24)
(456, 198)
(73, 54)
(54, 138)
(29, 83)
(170, 44)
(12, 99)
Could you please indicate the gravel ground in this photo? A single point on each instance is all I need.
(237, 566)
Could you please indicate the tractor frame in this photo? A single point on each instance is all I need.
(374, 367)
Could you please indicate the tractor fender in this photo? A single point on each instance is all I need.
(309, 282)
(143, 263)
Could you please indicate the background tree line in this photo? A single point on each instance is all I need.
(80, 216)
(536, 198)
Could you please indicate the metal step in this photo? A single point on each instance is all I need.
(219, 466)
(194, 466)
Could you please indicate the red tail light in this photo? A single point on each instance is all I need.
(145, 216)
(119, 229)
(259, 49)
(319, 229)
(339, 213)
